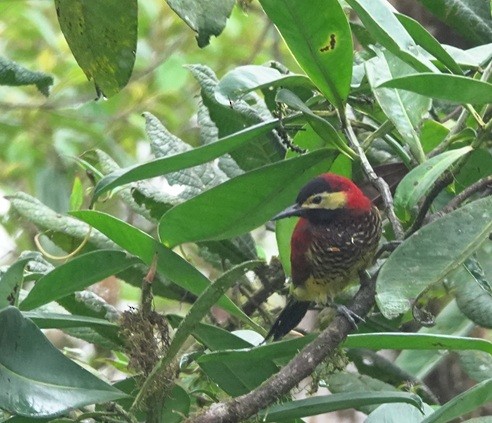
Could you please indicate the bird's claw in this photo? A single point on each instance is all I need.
(349, 314)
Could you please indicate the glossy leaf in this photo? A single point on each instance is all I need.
(319, 37)
(36, 379)
(405, 110)
(453, 88)
(429, 43)
(416, 341)
(75, 275)
(379, 19)
(103, 46)
(470, 18)
(451, 322)
(48, 320)
(184, 160)
(170, 264)
(431, 254)
(461, 404)
(244, 79)
(321, 126)
(401, 413)
(243, 203)
(327, 403)
(419, 180)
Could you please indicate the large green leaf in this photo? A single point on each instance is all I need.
(244, 79)
(431, 254)
(76, 275)
(450, 321)
(169, 264)
(319, 37)
(206, 18)
(418, 181)
(469, 400)
(327, 403)
(103, 39)
(183, 160)
(428, 42)
(454, 88)
(379, 19)
(405, 110)
(243, 203)
(401, 413)
(471, 18)
(36, 379)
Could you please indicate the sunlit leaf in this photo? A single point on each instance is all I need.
(319, 37)
(103, 39)
(243, 203)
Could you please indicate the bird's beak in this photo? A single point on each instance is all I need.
(294, 210)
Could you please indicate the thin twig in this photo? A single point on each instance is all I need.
(302, 365)
(480, 185)
(378, 182)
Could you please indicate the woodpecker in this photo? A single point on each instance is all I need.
(335, 238)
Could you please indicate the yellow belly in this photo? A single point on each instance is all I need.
(318, 290)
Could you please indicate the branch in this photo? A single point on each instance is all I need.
(378, 182)
(301, 366)
(481, 185)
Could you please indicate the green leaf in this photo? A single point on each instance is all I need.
(462, 404)
(265, 148)
(15, 75)
(327, 403)
(183, 160)
(11, 281)
(243, 203)
(450, 321)
(419, 180)
(379, 19)
(77, 194)
(206, 18)
(36, 379)
(244, 79)
(405, 110)
(401, 413)
(45, 320)
(476, 364)
(319, 37)
(431, 254)
(472, 292)
(429, 43)
(199, 309)
(470, 18)
(169, 264)
(68, 227)
(347, 382)
(75, 275)
(321, 126)
(103, 45)
(176, 406)
(453, 88)
(416, 341)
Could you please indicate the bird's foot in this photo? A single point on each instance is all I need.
(349, 314)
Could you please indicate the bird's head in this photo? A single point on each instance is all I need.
(325, 197)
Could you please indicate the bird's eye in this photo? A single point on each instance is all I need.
(316, 199)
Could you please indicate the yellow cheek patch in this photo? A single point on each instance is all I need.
(329, 201)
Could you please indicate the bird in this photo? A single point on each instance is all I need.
(335, 238)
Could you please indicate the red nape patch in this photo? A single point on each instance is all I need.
(356, 200)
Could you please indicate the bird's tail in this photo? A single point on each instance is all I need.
(288, 319)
